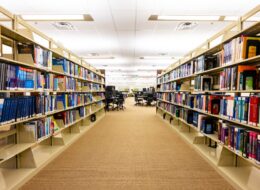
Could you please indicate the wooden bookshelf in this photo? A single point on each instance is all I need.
(240, 171)
(22, 155)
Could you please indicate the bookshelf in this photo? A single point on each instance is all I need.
(215, 107)
(48, 99)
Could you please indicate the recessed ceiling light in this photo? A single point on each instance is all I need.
(186, 26)
(64, 26)
(83, 17)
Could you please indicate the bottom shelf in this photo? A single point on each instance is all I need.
(212, 154)
(246, 177)
(236, 170)
(42, 154)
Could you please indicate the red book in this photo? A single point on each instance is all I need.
(253, 110)
(254, 145)
(214, 104)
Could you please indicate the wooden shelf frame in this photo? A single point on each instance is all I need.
(14, 62)
(15, 34)
(205, 48)
(42, 155)
(213, 115)
(251, 60)
(212, 137)
(241, 172)
(23, 155)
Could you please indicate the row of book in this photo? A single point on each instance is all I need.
(14, 77)
(242, 77)
(237, 49)
(242, 141)
(92, 86)
(206, 62)
(18, 108)
(73, 69)
(41, 128)
(244, 109)
(242, 47)
(43, 58)
(74, 99)
(169, 86)
(44, 127)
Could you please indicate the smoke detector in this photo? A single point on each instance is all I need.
(64, 26)
(186, 25)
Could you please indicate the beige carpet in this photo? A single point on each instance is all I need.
(131, 149)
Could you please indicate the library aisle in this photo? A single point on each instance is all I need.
(131, 149)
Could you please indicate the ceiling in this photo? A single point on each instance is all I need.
(121, 30)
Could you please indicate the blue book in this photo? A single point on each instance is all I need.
(62, 62)
(61, 98)
(2, 100)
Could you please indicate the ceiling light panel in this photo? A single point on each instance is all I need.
(187, 18)
(48, 17)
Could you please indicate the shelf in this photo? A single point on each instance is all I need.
(10, 61)
(213, 137)
(78, 120)
(23, 121)
(47, 114)
(11, 150)
(240, 155)
(162, 91)
(43, 152)
(208, 152)
(10, 178)
(212, 115)
(4, 134)
(226, 91)
(246, 61)
(240, 175)
(14, 35)
(248, 31)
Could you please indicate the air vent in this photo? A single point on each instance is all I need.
(186, 25)
(64, 26)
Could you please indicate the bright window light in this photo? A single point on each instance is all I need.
(189, 18)
(52, 17)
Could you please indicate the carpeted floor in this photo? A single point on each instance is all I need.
(131, 149)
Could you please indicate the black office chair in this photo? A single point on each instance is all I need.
(149, 99)
(138, 100)
(120, 102)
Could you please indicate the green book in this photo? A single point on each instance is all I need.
(249, 83)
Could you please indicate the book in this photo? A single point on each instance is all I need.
(253, 110)
(258, 149)
(240, 75)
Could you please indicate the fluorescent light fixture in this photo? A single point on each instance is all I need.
(157, 57)
(82, 17)
(235, 18)
(183, 18)
(231, 18)
(98, 57)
